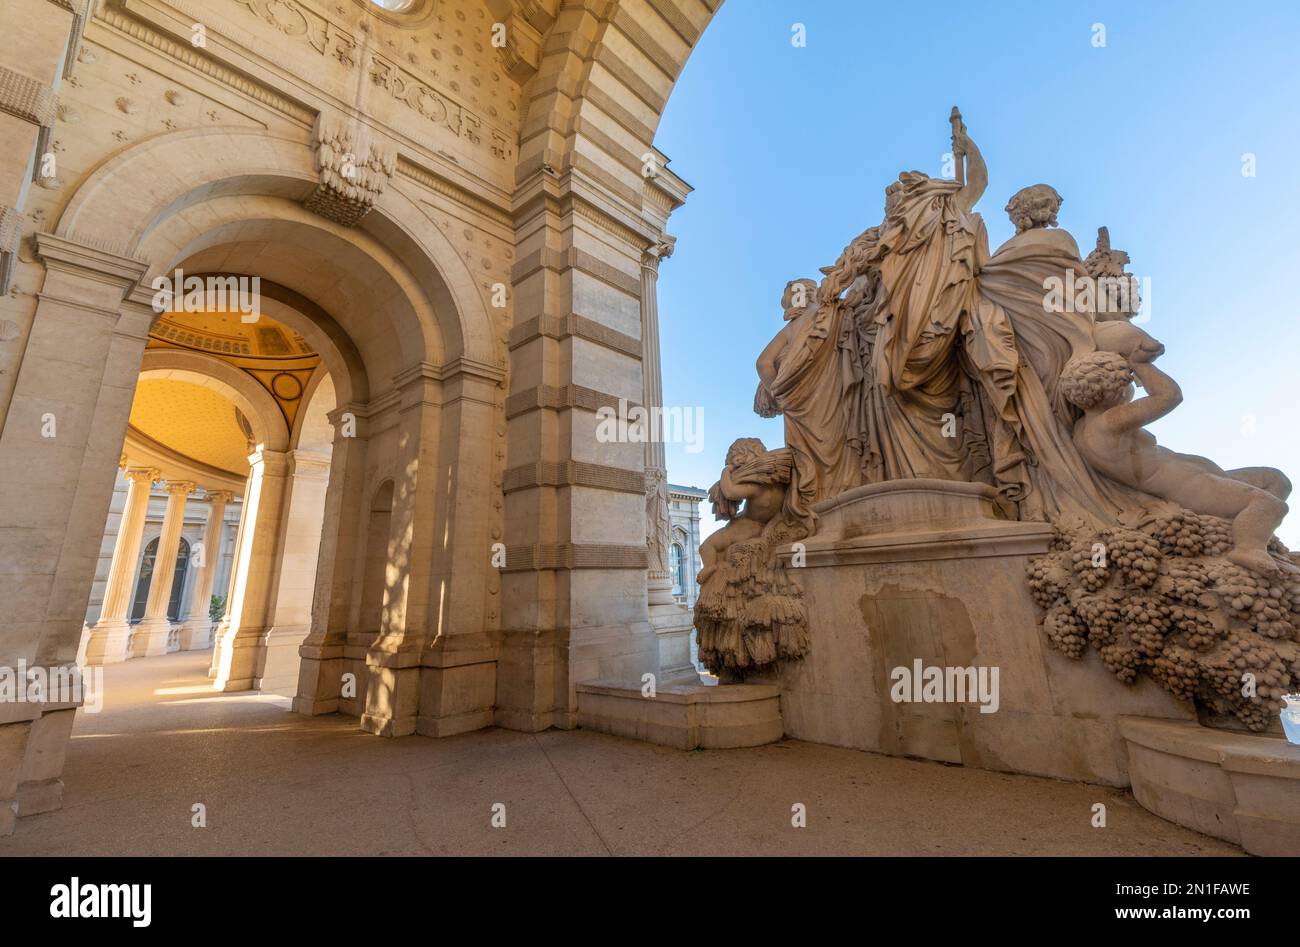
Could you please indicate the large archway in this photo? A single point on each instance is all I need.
(412, 369)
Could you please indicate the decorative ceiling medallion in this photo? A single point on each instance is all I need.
(286, 387)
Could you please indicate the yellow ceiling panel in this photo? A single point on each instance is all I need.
(191, 420)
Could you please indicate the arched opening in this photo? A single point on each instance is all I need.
(144, 579)
(367, 370)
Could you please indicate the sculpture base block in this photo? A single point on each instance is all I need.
(1241, 787)
(924, 571)
(686, 716)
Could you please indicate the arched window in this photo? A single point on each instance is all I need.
(675, 560)
(146, 577)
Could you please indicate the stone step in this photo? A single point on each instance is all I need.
(687, 716)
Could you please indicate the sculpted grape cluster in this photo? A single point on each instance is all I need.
(1159, 599)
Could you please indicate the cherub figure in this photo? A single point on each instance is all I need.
(750, 611)
(1110, 437)
(758, 479)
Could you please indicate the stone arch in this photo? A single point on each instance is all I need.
(605, 79)
(170, 177)
(220, 376)
(312, 429)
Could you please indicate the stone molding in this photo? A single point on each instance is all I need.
(573, 473)
(104, 263)
(569, 556)
(575, 259)
(435, 182)
(562, 398)
(574, 326)
(141, 32)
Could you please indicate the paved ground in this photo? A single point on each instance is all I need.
(277, 783)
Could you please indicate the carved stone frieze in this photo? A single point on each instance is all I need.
(299, 22)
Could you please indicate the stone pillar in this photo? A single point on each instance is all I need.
(196, 634)
(670, 620)
(72, 383)
(152, 634)
(240, 651)
(320, 669)
(223, 623)
(299, 547)
(393, 660)
(110, 638)
(458, 667)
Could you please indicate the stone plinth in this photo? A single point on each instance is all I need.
(924, 570)
(1241, 787)
(686, 716)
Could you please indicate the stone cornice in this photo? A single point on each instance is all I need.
(103, 263)
(142, 32)
(498, 213)
(457, 369)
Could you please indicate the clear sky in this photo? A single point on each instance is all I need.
(790, 149)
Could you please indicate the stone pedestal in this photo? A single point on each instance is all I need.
(923, 570)
(672, 626)
(40, 788)
(685, 716)
(1241, 787)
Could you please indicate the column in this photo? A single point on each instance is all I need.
(110, 637)
(196, 633)
(223, 623)
(151, 635)
(321, 664)
(219, 627)
(239, 650)
(670, 620)
(303, 522)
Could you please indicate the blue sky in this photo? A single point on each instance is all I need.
(790, 149)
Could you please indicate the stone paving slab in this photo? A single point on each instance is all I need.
(275, 783)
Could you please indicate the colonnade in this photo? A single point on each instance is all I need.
(113, 638)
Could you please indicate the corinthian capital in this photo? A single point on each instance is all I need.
(662, 249)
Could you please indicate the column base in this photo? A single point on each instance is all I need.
(456, 698)
(237, 660)
(13, 748)
(279, 672)
(152, 638)
(109, 642)
(320, 679)
(392, 700)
